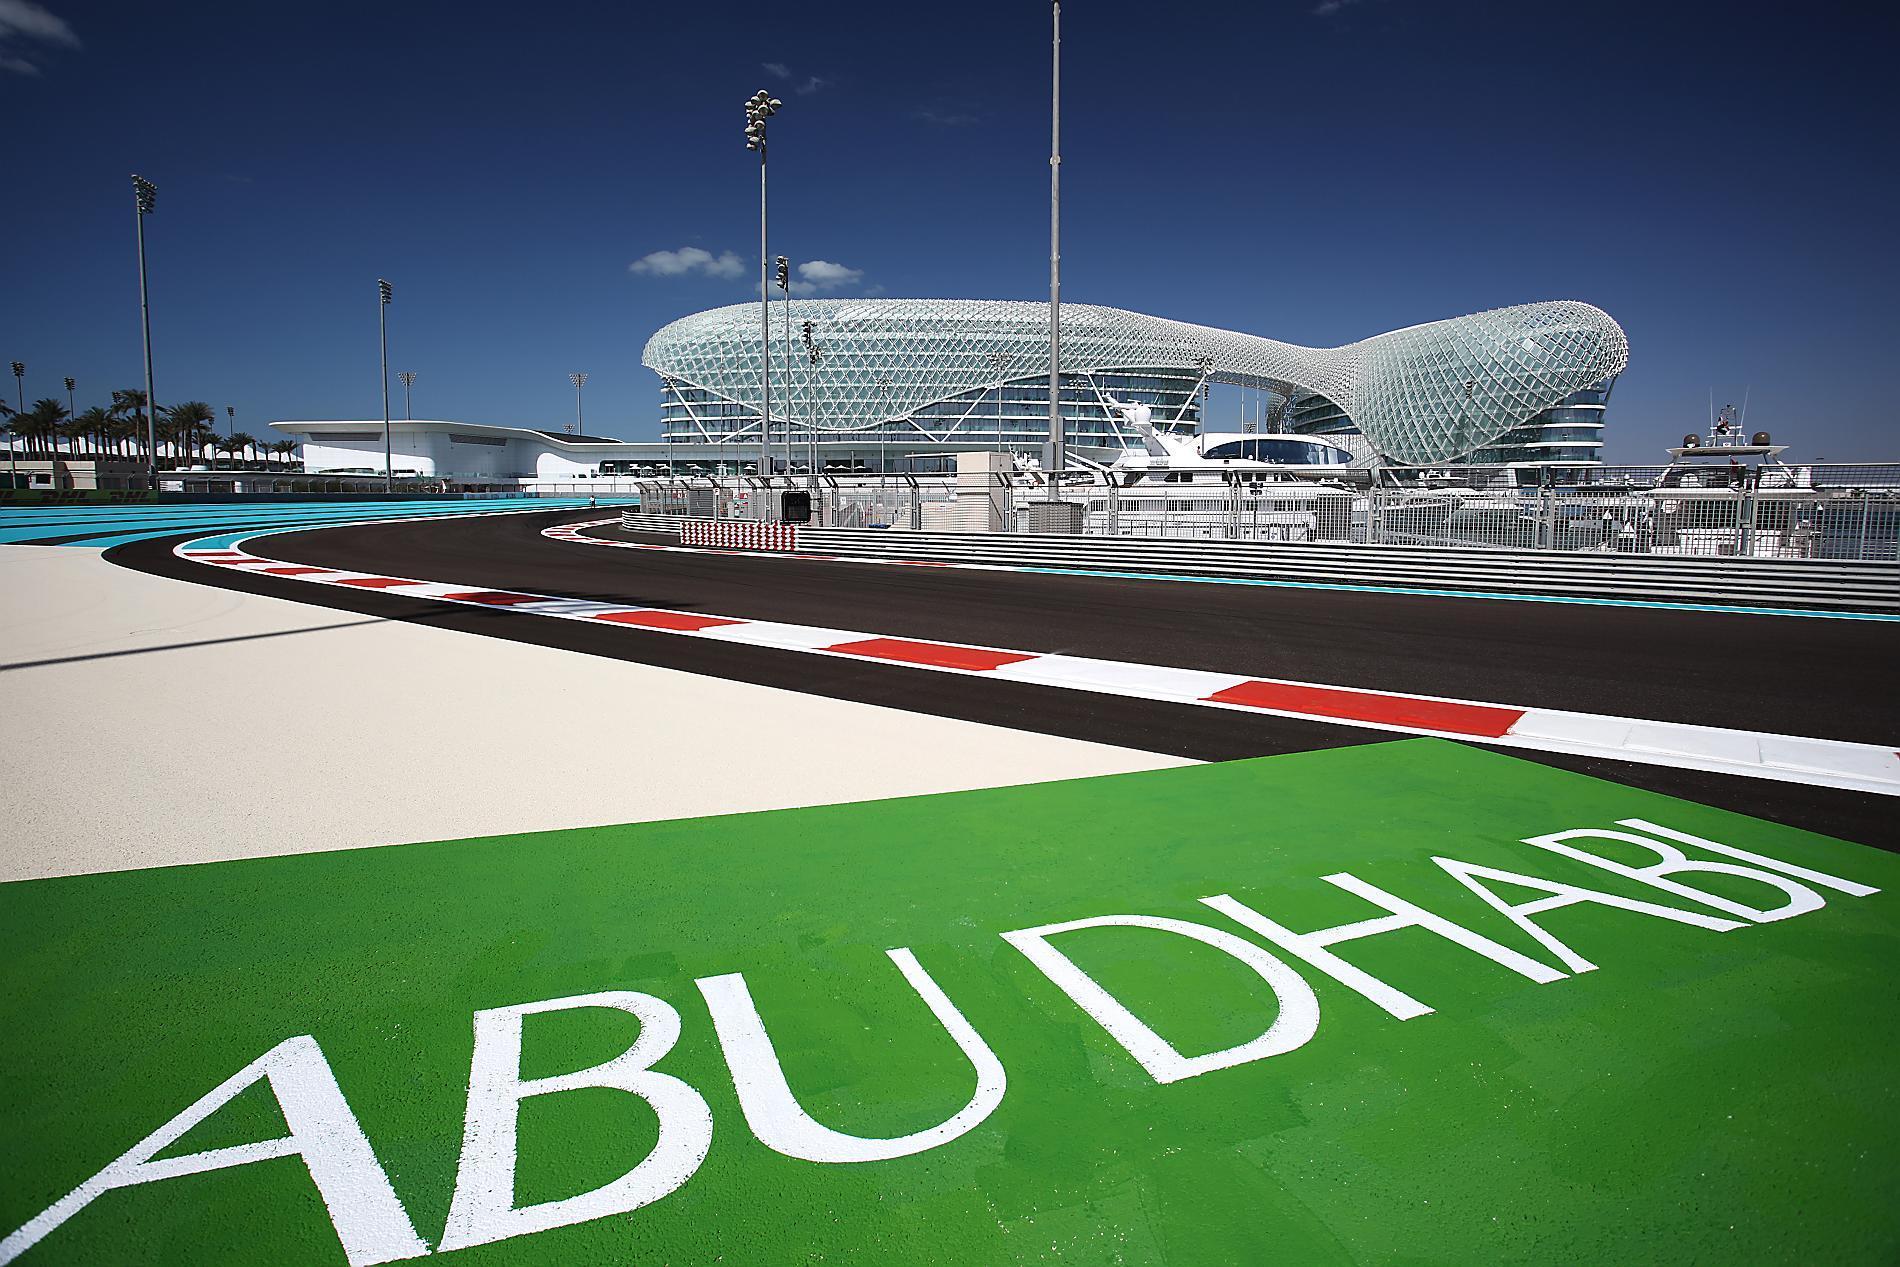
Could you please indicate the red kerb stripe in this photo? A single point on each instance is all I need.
(294, 571)
(679, 621)
(938, 654)
(1484, 720)
(377, 582)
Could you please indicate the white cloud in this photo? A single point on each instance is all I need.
(826, 275)
(688, 259)
(1326, 8)
(778, 70)
(24, 18)
(22, 21)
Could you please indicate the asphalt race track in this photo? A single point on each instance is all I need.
(1832, 679)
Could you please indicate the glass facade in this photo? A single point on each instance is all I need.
(1569, 433)
(963, 373)
(1012, 415)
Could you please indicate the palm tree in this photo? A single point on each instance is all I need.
(92, 427)
(243, 440)
(42, 423)
(284, 449)
(128, 406)
(190, 420)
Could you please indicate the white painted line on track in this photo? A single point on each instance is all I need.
(1784, 758)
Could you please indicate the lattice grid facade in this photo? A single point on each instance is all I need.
(918, 372)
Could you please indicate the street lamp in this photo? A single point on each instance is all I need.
(579, 380)
(145, 195)
(883, 432)
(999, 361)
(785, 288)
(13, 461)
(812, 357)
(383, 293)
(408, 378)
(759, 107)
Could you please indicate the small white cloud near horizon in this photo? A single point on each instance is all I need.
(1326, 8)
(688, 259)
(22, 21)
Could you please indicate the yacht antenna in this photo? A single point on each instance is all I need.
(1744, 423)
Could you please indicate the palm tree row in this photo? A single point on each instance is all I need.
(185, 429)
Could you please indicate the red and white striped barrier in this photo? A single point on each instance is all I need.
(1788, 758)
(738, 533)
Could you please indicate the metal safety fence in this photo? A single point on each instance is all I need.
(1812, 512)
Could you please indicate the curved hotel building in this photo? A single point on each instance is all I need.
(872, 378)
(904, 384)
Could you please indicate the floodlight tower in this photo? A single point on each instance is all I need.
(408, 378)
(579, 380)
(383, 293)
(759, 107)
(145, 195)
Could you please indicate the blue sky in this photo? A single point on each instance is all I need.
(1716, 177)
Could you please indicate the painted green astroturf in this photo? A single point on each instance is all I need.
(1701, 1096)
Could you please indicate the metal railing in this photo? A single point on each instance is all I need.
(1832, 512)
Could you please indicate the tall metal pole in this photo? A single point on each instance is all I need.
(146, 198)
(1057, 457)
(785, 310)
(759, 108)
(765, 335)
(382, 327)
(579, 380)
(13, 434)
(408, 378)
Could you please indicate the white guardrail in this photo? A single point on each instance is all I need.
(1753, 582)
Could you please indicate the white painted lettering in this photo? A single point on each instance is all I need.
(483, 1208)
(369, 1220)
(1295, 1023)
(1312, 947)
(1562, 895)
(782, 1124)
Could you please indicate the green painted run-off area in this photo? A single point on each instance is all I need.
(1701, 1096)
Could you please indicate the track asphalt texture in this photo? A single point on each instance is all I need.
(1828, 679)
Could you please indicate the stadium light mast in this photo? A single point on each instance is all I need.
(1057, 457)
(145, 195)
(408, 378)
(383, 293)
(579, 380)
(761, 106)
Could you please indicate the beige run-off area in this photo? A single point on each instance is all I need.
(152, 722)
